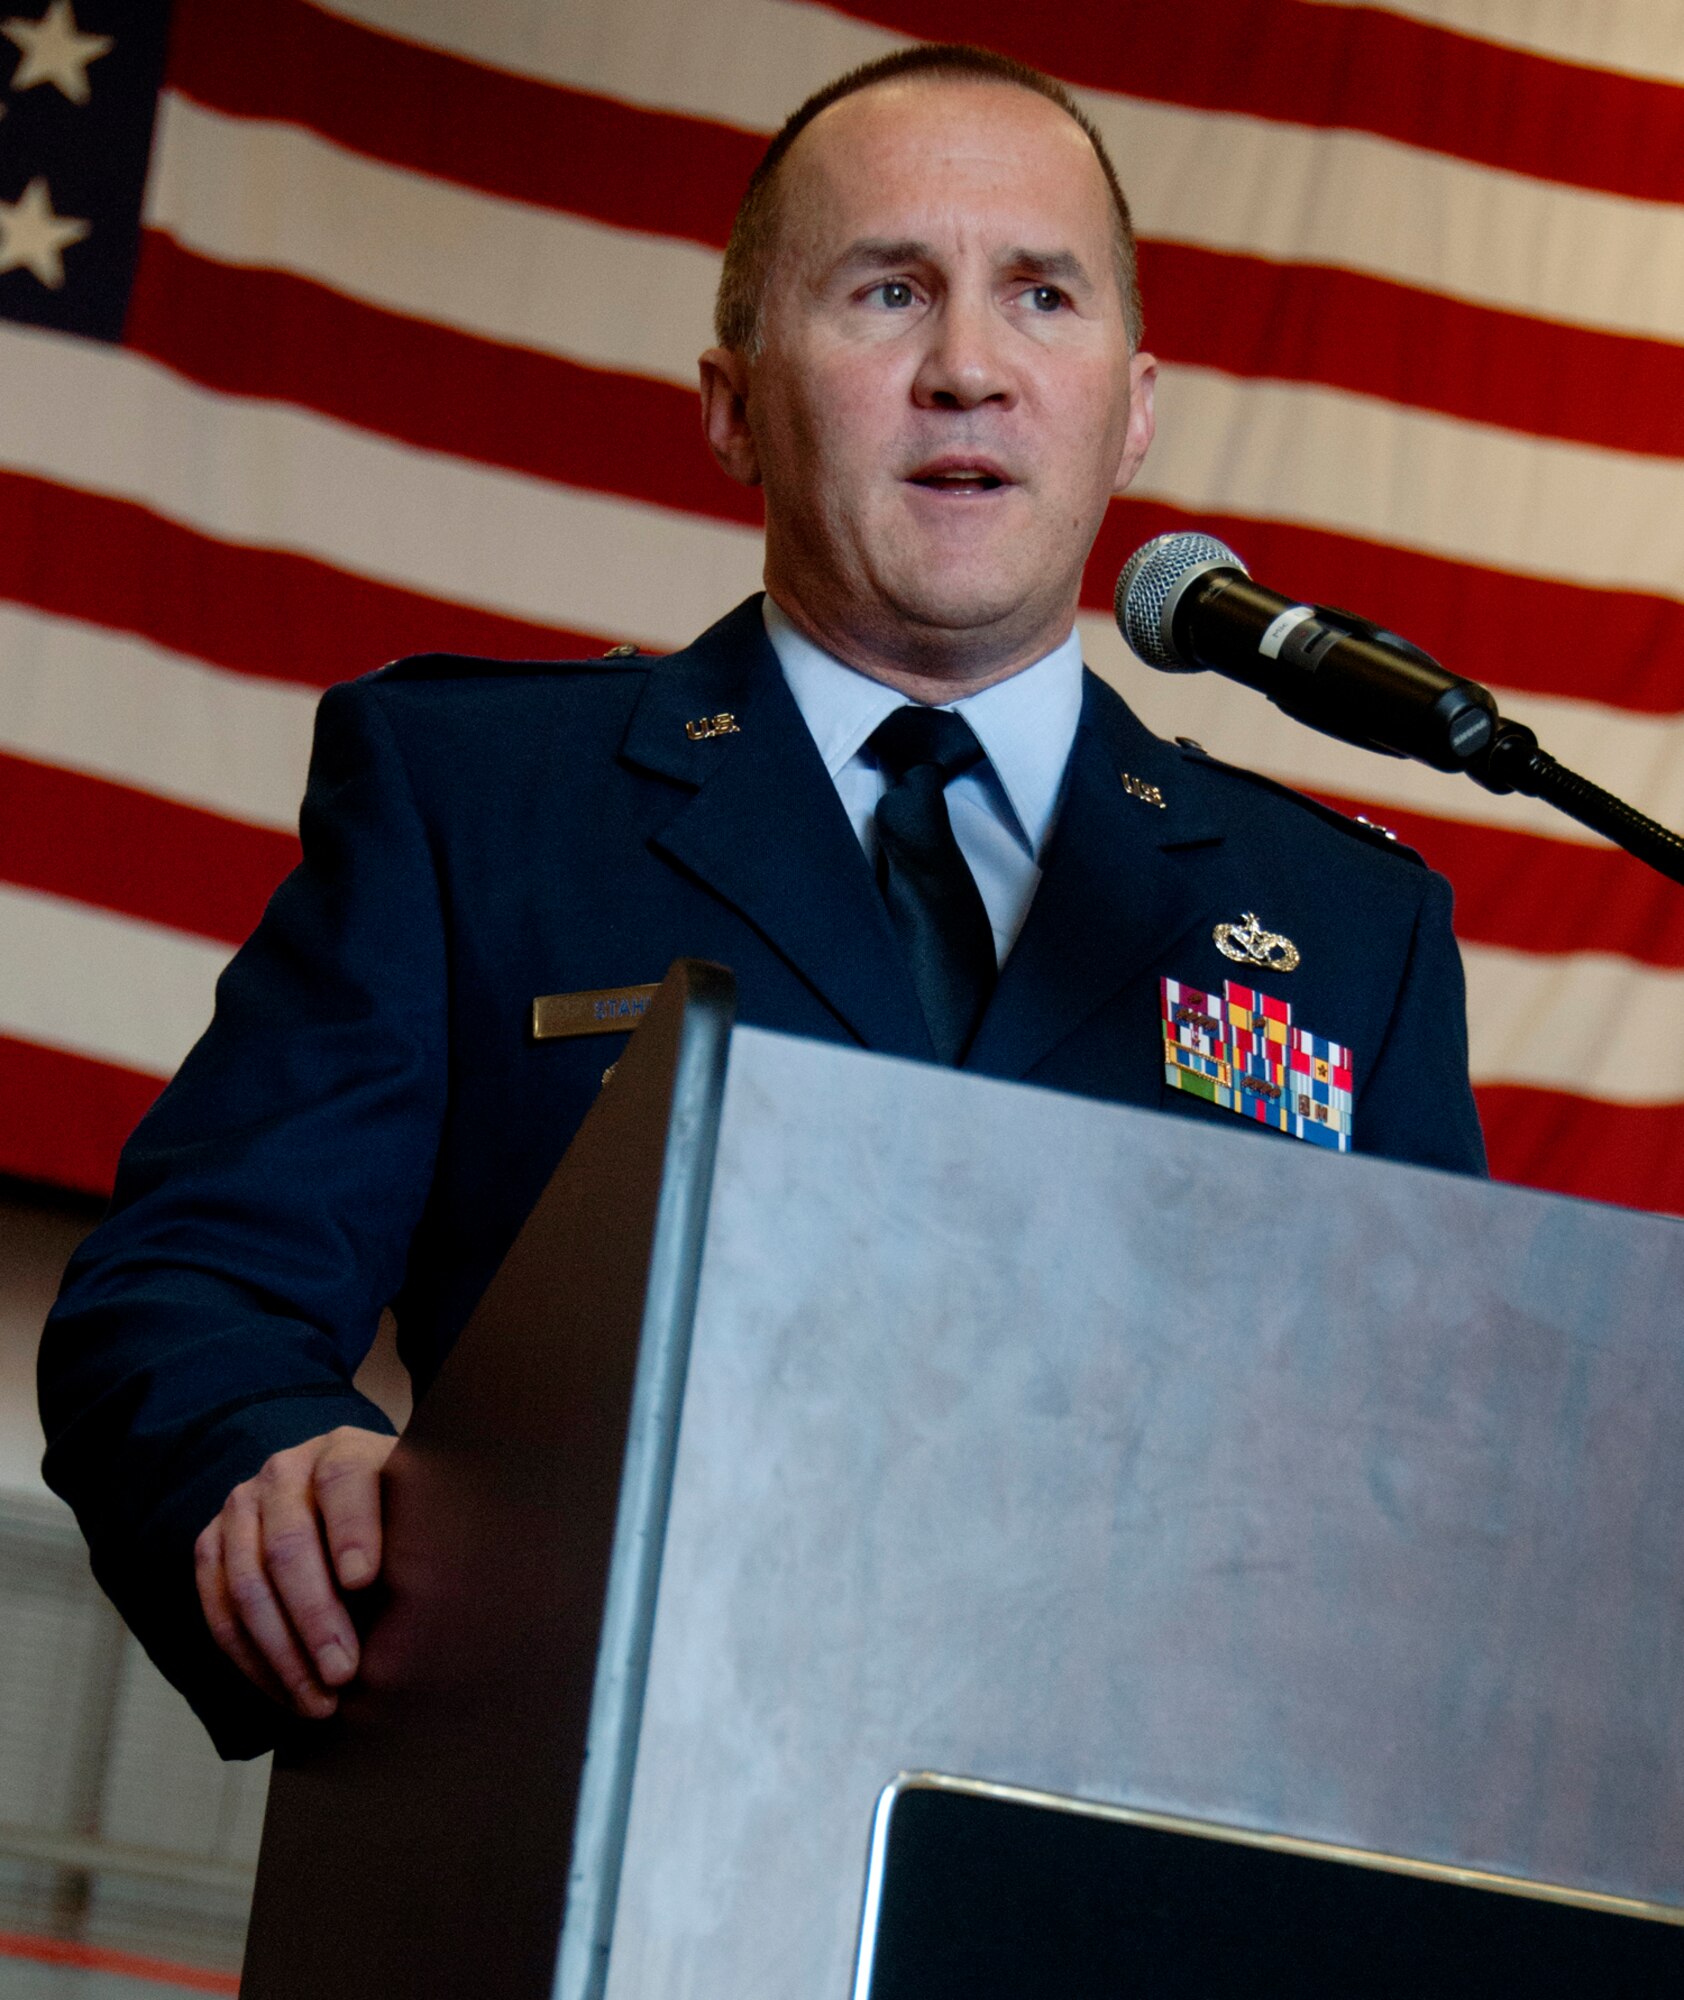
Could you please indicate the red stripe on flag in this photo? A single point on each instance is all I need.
(131, 851)
(267, 333)
(1532, 894)
(1306, 323)
(271, 333)
(641, 439)
(66, 1116)
(566, 149)
(262, 611)
(459, 121)
(1631, 1154)
(1282, 59)
(1522, 632)
(1356, 68)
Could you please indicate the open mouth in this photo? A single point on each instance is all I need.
(959, 479)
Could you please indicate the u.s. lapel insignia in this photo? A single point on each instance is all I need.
(1137, 788)
(1240, 1050)
(706, 727)
(1248, 943)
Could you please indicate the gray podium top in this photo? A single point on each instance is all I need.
(1129, 1458)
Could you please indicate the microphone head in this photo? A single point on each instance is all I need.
(1151, 586)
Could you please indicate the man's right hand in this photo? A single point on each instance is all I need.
(272, 1566)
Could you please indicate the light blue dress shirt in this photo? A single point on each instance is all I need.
(1003, 810)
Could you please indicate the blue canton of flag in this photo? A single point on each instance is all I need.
(75, 131)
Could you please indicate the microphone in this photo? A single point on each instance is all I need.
(1186, 603)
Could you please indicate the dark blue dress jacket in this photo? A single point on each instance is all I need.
(368, 1119)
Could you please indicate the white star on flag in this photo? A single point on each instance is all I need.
(32, 237)
(54, 51)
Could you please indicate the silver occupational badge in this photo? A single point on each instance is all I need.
(1248, 943)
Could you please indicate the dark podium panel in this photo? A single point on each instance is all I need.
(420, 1842)
(839, 1417)
(978, 1893)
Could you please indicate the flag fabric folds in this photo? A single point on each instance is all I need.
(333, 329)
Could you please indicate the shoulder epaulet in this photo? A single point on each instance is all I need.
(1356, 826)
(464, 666)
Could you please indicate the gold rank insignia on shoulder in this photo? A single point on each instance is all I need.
(1248, 943)
(607, 1010)
(723, 724)
(1137, 788)
(624, 652)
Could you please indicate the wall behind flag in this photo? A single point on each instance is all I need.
(332, 331)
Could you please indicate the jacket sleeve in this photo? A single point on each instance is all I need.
(1418, 1103)
(262, 1212)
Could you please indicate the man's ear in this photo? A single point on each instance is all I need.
(725, 413)
(1143, 383)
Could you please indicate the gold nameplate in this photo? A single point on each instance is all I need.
(610, 1010)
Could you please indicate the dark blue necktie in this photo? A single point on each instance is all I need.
(934, 903)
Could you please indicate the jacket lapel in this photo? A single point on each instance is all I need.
(1120, 884)
(763, 828)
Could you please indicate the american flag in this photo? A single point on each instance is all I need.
(332, 329)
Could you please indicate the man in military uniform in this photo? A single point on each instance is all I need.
(888, 795)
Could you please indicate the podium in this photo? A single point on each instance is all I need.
(837, 1420)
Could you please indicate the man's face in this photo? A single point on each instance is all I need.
(944, 398)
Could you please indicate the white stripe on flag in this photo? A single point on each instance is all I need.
(1411, 478)
(110, 987)
(1583, 1022)
(1225, 181)
(1299, 194)
(248, 192)
(252, 192)
(740, 62)
(114, 706)
(111, 705)
(276, 477)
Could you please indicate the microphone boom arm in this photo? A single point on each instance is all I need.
(1514, 762)
(1510, 760)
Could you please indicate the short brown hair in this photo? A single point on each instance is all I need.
(748, 255)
